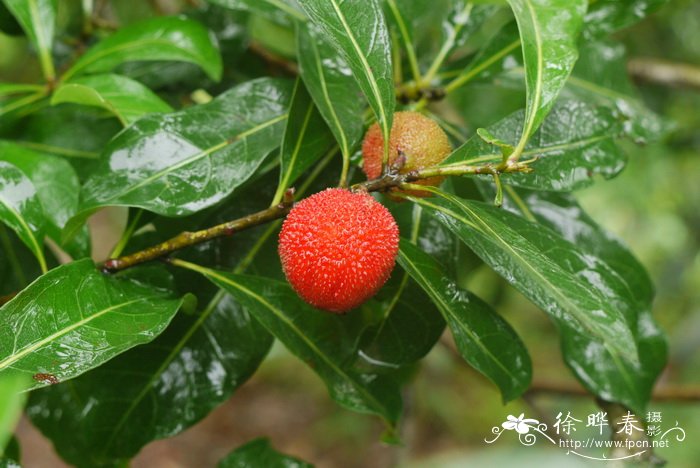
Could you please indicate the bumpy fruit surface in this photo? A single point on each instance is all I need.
(338, 248)
(418, 138)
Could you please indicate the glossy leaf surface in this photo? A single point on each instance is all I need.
(580, 292)
(575, 142)
(37, 18)
(548, 31)
(483, 338)
(74, 318)
(166, 386)
(306, 138)
(605, 376)
(164, 38)
(177, 164)
(605, 16)
(330, 83)
(57, 189)
(127, 99)
(322, 340)
(359, 33)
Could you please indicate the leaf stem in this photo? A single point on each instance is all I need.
(124, 240)
(447, 46)
(410, 50)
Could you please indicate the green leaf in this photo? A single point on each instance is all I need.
(57, 188)
(74, 318)
(359, 33)
(173, 382)
(37, 18)
(606, 16)
(279, 11)
(332, 87)
(324, 341)
(177, 164)
(605, 376)
(12, 398)
(21, 210)
(127, 99)
(483, 338)
(575, 142)
(580, 293)
(548, 31)
(306, 139)
(164, 38)
(601, 77)
(18, 266)
(259, 452)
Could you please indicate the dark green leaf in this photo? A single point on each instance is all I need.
(37, 18)
(257, 453)
(332, 87)
(324, 341)
(605, 376)
(357, 30)
(601, 76)
(606, 16)
(122, 96)
(306, 139)
(18, 266)
(74, 318)
(57, 189)
(575, 142)
(483, 338)
(548, 32)
(163, 38)
(12, 398)
(580, 292)
(164, 387)
(177, 164)
(279, 11)
(21, 209)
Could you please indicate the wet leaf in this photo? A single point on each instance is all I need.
(483, 338)
(359, 33)
(164, 38)
(127, 99)
(73, 319)
(580, 292)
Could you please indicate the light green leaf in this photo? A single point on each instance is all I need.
(127, 99)
(12, 398)
(75, 318)
(548, 31)
(358, 31)
(37, 18)
(162, 38)
(483, 338)
(279, 11)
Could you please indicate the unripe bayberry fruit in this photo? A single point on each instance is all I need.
(419, 139)
(338, 248)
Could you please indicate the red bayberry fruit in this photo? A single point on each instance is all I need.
(338, 248)
(420, 139)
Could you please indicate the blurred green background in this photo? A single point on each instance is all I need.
(653, 206)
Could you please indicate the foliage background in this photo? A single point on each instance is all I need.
(652, 205)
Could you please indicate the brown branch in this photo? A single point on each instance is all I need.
(187, 239)
(666, 393)
(655, 71)
(389, 180)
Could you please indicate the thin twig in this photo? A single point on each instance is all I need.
(685, 393)
(655, 71)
